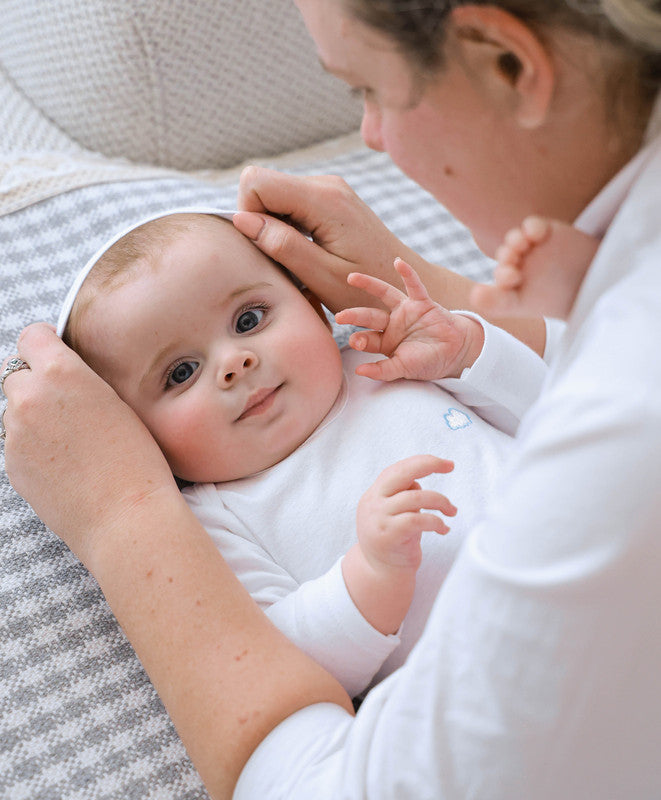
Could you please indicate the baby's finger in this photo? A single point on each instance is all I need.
(417, 499)
(374, 318)
(410, 525)
(517, 240)
(415, 288)
(384, 370)
(366, 341)
(388, 294)
(399, 476)
(430, 522)
(507, 276)
(496, 301)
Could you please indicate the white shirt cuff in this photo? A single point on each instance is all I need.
(504, 381)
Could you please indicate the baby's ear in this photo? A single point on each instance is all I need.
(315, 302)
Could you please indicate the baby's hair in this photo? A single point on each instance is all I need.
(139, 249)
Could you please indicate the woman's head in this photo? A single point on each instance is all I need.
(499, 109)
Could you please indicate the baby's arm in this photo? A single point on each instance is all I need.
(380, 570)
(420, 339)
(318, 614)
(541, 265)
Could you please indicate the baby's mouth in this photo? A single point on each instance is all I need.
(259, 402)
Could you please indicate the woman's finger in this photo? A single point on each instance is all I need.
(292, 196)
(36, 343)
(282, 242)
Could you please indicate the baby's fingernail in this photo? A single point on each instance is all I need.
(359, 343)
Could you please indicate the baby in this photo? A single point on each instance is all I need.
(279, 435)
(540, 268)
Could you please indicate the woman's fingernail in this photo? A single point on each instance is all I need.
(249, 223)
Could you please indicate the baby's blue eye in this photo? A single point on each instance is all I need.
(182, 372)
(249, 319)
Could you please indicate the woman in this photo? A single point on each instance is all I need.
(538, 673)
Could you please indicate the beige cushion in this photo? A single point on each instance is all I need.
(187, 84)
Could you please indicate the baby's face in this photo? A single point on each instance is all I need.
(223, 358)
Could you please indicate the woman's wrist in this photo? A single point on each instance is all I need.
(134, 523)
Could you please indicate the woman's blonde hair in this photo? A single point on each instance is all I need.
(638, 20)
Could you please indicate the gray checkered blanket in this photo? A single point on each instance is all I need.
(79, 719)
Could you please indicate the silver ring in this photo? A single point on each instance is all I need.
(14, 364)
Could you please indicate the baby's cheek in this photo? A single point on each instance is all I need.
(183, 436)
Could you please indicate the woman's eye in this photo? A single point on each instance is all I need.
(182, 372)
(248, 320)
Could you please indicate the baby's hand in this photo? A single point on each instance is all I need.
(390, 518)
(421, 339)
(379, 571)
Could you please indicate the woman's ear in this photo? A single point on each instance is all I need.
(315, 302)
(507, 58)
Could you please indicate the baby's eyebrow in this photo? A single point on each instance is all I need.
(249, 287)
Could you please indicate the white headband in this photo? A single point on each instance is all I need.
(70, 299)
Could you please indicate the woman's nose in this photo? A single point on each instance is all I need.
(234, 366)
(370, 127)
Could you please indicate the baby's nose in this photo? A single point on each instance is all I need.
(236, 367)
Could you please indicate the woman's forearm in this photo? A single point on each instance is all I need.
(226, 675)
(94, 474)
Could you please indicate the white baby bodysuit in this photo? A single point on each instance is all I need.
(285, 530)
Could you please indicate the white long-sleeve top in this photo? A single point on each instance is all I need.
(284, 530)
(539, 672)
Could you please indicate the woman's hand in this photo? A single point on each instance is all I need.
(420, 339)
(347, 236)
(73, 449)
